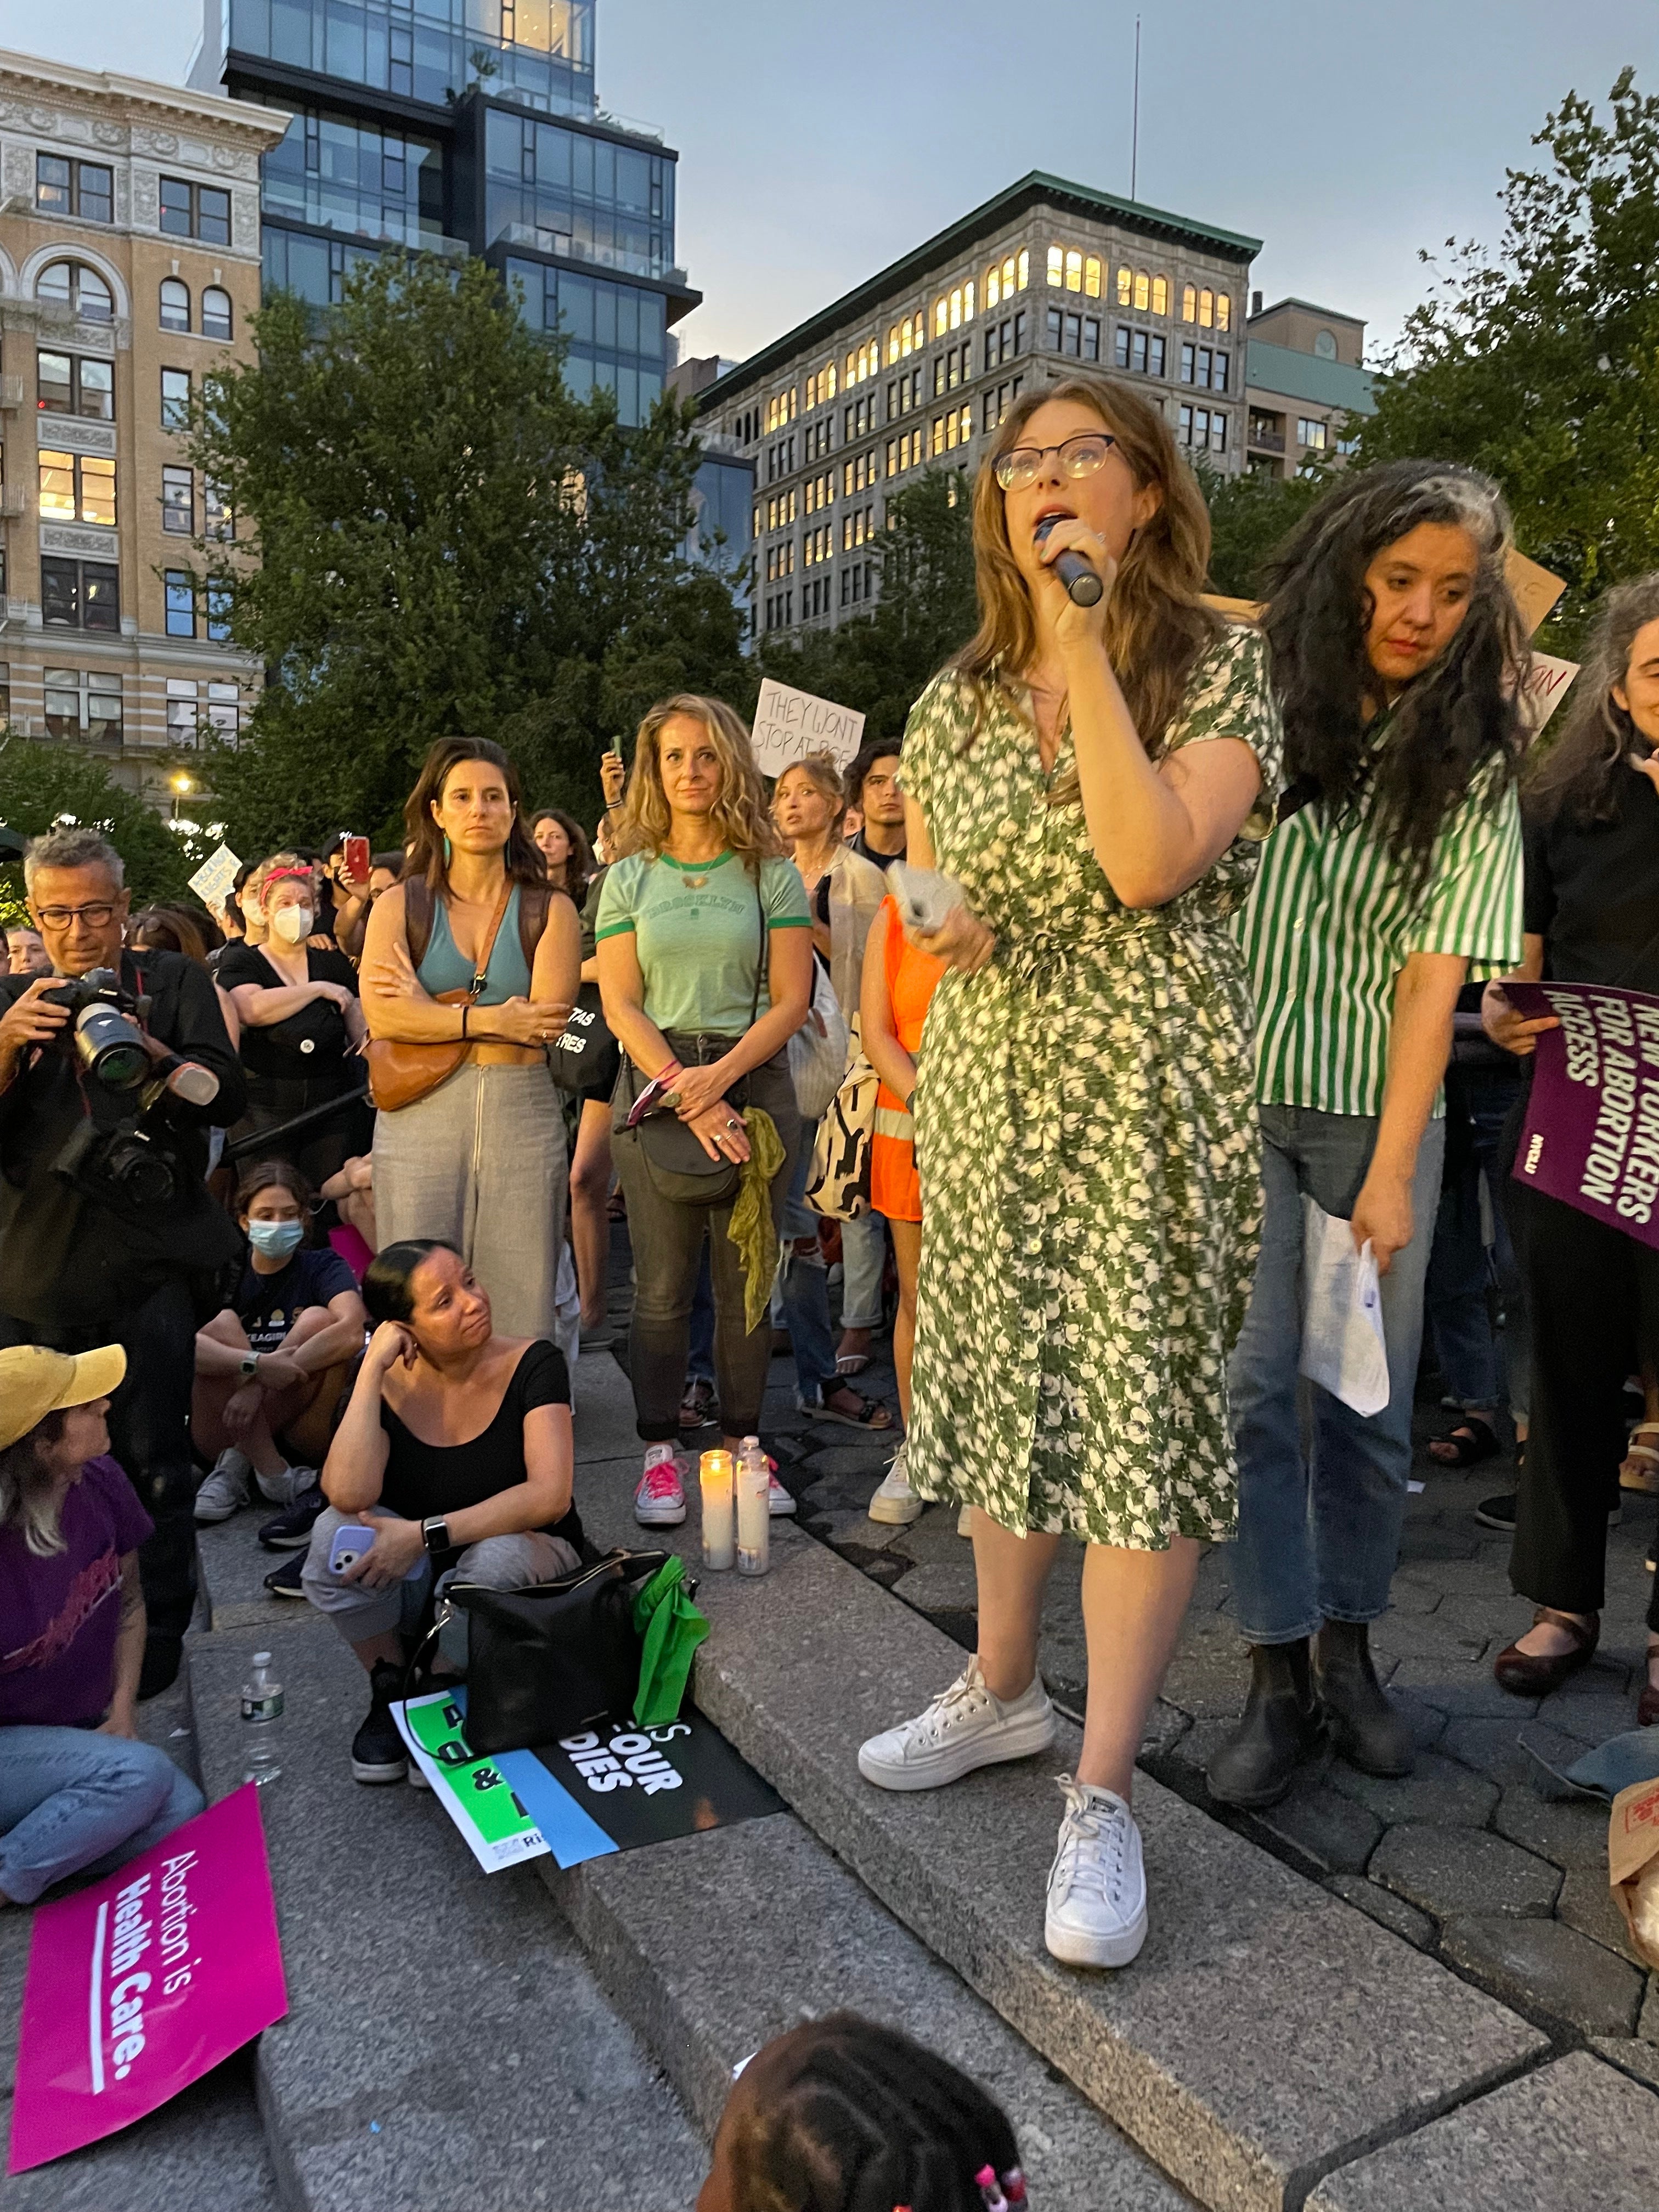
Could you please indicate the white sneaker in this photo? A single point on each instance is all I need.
(895, 1501)
(659, 1501)
(227, 1489)
(779, 1503)
(1096, 1912)
(965, 1727)
(966, 1522)
(283, 1488)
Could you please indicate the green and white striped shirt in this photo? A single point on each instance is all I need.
(1330, 923)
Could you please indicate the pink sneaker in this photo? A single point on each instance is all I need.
(778, 1500)
(659, 1501)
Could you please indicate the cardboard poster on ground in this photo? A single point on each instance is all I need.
(1591, 1135)
(790, 724)
(142, 1983)
(612, 1787)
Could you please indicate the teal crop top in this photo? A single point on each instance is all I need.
(443, 968)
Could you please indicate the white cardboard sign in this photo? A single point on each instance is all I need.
(1548, 687)
(790, 724)
(213, 880)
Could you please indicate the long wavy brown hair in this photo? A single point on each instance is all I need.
(423, 840)
(1157, 624)
(739, 813)
(1575, 774)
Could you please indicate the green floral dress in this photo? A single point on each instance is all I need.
(1086, 1137)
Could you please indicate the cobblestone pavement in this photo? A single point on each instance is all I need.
(1465, 1857)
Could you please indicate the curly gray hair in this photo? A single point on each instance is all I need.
(67, 847)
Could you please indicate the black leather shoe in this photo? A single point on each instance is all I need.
(1362, 1726)
(377, 1750)
(1279, 1727)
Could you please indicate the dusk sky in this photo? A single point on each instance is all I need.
(818, 143)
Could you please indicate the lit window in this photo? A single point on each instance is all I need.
(967, 301)
(1056, 264)
(1074, 272)
(955, 308)
(1160, 295)
(216, 314)
(992, 286)
(892, 345)
(1143, 291)
(1224, 311)
(1189, 303)
(1091, 277)
(941, 316)
(77, 488)
(72, 284)
(1024, 268)
(1206, 309)
(175, 305)
(1125, 287)
(1311, 434)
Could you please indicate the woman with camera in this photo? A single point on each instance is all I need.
(1095, 776)
(705, 954)
(454, 1456)
(472, 949)
(78, 1793)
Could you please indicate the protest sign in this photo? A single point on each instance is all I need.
(214, 880)
(1535, 590)
(790, 724)
(139, 1984)
(1548, 687)
(1591, 1135)
(610, 1787)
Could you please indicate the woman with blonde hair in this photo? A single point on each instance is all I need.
(705, 953)
(1095, 778)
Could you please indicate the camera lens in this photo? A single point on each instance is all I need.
(110, 1047)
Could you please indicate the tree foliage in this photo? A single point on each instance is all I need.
(1539, 362)
(43, 784)
(1249, 514)
(447, 540)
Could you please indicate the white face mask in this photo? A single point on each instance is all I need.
(292, 923)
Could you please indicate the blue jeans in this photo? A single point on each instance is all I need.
(804, 1285)
(699, 1362)
(1482, 1370)
(863, 1260)
(1319, 1532)
(74, 1801)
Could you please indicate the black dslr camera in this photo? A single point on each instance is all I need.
(104, 1027)
(135, 1163)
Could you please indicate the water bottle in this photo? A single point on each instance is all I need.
(754, 1509)
(262, 1723)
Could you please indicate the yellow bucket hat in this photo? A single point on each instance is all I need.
(34, 1382)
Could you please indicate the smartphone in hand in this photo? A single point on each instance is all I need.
(355, 857)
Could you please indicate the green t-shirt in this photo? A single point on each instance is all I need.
(697, 933)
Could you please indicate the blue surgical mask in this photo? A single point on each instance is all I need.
(277, 1240)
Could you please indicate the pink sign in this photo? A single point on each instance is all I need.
(1591, 1135)
(139, 1984)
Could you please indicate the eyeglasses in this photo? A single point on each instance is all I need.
(1078, 457)
(95, 917)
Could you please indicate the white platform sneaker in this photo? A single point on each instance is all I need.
(1097, 1911)
(965, 1727)
(895, 1502)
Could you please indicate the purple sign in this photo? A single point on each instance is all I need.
(1591, 1135)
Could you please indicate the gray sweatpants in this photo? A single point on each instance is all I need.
(480, 1162)
(502, 1563)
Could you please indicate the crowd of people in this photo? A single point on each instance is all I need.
(1228, 909)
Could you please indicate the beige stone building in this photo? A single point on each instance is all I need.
(1306, 381)
(129, 269)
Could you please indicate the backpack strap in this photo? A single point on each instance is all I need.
(534, 900)
(417, 917)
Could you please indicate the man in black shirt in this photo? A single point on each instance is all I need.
(872, 786)
(86, 1257)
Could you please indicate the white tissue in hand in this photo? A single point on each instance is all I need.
(926, 897)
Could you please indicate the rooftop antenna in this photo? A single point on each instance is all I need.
(1134, 135)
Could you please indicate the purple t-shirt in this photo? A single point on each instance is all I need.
(59, 1616)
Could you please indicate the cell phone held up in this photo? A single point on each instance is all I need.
(354, 858)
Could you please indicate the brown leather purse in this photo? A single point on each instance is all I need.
(402, 1070)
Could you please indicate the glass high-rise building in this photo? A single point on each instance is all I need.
(462, 127)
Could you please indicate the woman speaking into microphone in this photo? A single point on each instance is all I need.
(1094, 777)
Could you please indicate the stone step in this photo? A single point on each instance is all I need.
(447, 2048)
(712, 1945)
(231, 1568)
(1269, 2034)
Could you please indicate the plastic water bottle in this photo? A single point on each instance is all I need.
(754, 1510)
(262, 1723)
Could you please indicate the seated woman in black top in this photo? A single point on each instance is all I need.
(301, 1025)
(456, 1450)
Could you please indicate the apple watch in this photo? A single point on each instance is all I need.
(250, 1366)
(434, 1534)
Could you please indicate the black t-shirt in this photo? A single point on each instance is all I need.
(307, 1046)
(422, 1478)
(860, 843)
(1592, 893)
(269, 1305)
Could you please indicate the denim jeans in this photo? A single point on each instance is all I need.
(804, 1285)
(863, 1259)
(1319, 1529)
(74, 1801)
(700, 1360)
(1482, 1370)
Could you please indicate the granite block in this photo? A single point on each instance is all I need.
(1451, 1870)
(1549, 1969)
(1321, 1826)
(1647, 2026)
(1463, 1692)
(232, 1566)
(1498, 1748)
(782, 1932)
(204, 2148)
(441, 2005)
(1438, 1790)
(1384, 1907)
(1427, 1635)
(1587, 1903)
(1575, 2132)
(1631, 2055)
(943, 1589)
(1211, 1670)
(1569, 1831)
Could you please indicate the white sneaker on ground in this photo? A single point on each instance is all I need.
(965, 1727)
(1097, 1911)
(966, 1522)
(659, 1501)
(228, 1489)
(283, 1488)
(895, 1501)
(779, 1503)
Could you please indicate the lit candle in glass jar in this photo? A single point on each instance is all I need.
(716, 1480)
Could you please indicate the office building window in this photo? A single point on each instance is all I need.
(862, 363)
(175, 305)
(179, 593)
(1077, 334)
(1189, 303)
(1206, 309)
(179, 503)
(175, 399)
(821, 386)
(67, 385)
(1126, 287)
(818, 439)
(860, 472)
(1224, 311)
(780, 511)
(857, 419)
(1006, 277)
(857, 583)
(1204, 366)
(1310, 434)
(953, 368)
(72, 284)
(83, 705)
(781, 409)
(216, 317)
(375, 181)
(1142, 351)
(856, 529)
(80, 594)
(817, 545)
(218, 522)
(993, 405)
(183, 714)
(223, 710)
(617, 333)
(952, 430)
(906, 338)
(903, 393)
(584, 197)
(77, 488)
(1348, 445)
(953, 308)
(199, 211)
(1203, 428)
(313, 268)
(83, 189)
(906, 453)
(1003, 340)
(817, 491)
(218, 612)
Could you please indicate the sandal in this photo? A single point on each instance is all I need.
(854, 1363)
(1644, 1477)
(1466, 1443)
(871, 1413)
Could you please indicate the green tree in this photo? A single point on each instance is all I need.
(446, 540)
(881, 663)
(1539, 361)
(43, 784)
(1250, 515)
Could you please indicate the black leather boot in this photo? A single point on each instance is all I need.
(1364, 1727)
(1279, 1727)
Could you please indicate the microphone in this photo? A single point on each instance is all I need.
(1082, 584)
